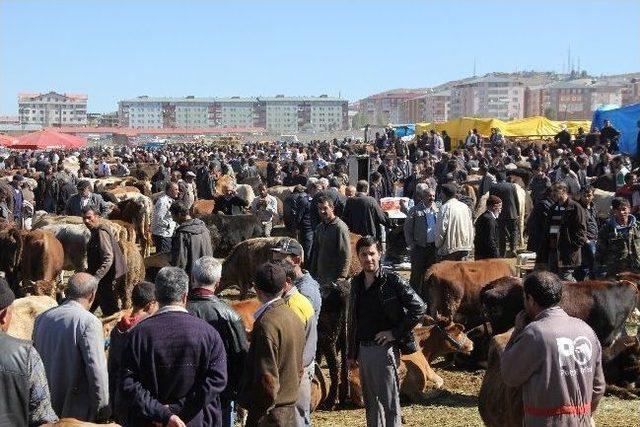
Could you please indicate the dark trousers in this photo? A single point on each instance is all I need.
(421, 259)
(106, 298)
(305, 238)
(455, 256)
(162, 244)
(586, 270)
(507, 229)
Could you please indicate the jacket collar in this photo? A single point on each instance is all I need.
(264, 307)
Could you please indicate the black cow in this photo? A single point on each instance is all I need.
(233, 230)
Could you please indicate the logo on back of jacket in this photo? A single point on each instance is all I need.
(574, 355)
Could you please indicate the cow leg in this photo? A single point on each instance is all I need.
(332, 364)
(343, 395)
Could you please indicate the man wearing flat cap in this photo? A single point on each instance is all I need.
(25, 398)
(273, 367)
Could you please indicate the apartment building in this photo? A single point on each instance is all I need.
(276, 114)
(577, 99)
(388, 107)
(489, 96)
(431, 107)
(52, 109)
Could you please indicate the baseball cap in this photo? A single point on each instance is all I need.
(270, 278)
(289, 247)
(6, 294)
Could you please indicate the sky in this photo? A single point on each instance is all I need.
(113, 50)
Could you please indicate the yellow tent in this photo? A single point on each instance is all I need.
(536, 126)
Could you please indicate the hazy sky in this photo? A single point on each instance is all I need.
(114, 50)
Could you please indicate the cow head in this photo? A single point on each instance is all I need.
(442, 336)
(11, 245)
(41, 287)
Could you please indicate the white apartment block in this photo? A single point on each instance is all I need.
(278, 114)
(52, 109)
(497, 97)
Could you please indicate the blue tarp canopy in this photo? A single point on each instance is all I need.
(626, 120)
(404, 130)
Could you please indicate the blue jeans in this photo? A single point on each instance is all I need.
(586, 270)
(228, 412)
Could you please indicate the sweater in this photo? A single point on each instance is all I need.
(273, 366)
(331, 252)
(173, 363)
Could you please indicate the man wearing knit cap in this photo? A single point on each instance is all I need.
(25, 396)
(273, 366)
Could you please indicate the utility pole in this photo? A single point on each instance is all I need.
(474, 66)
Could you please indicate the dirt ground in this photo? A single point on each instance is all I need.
(458, 406)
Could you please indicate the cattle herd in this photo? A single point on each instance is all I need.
(472, 304)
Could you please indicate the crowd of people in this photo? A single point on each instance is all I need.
(182, 356)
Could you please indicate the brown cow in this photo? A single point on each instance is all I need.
(137, 211)
(246, 309)
(418, 381)
(135, 273)
(453, 287)
(31, 256)
(202, 207)
(72, 422)
(605, 306)
(239, 268)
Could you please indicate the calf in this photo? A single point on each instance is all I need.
(418, 381)
(453, 287)
(136, 210)
(239, 268)
(31, 256)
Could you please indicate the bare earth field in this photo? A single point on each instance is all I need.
(459, 407)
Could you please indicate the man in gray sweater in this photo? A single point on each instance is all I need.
(331, 251)
(556, 359)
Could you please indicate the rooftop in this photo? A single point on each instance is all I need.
(194, 100)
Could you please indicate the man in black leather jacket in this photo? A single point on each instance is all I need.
(204, 304)
(383, 311)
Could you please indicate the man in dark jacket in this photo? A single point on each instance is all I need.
(563, 138)
(618, 247)
(225, 202)
(203, 304)
(47, 191)
(85, 197)
(143, 299)
(375, 340)
(273, 367)
(105, 261)
(173, 365)
(486, 236)
(388, 177)
(18, 198)
(509, 216)
(191, 240)
(564, 234)
(25, 398)
(362, 213)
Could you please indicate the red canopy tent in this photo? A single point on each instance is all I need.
(44, 139)
(7, 141)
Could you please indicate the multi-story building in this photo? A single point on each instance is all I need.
(533, 101)
(52, 109)
(387, 107)
(102, 119)
(430, 107)
(631, 92)
(489, 96)
(277, 114)
(578, 99)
